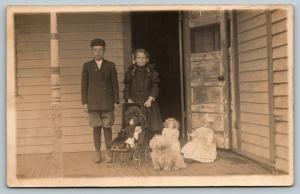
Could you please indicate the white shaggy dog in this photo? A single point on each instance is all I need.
(164, 156)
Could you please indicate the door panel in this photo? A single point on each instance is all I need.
(205, 66)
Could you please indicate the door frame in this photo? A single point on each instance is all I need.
(235, 135)
(226, 89)
(183, 98)
(186, 42)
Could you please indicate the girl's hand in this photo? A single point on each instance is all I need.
(130, 101)
(148, 103)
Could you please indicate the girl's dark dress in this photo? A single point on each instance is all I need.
(140, 83)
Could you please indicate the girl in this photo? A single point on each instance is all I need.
(141, 86)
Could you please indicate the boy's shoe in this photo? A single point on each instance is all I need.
(109, 158)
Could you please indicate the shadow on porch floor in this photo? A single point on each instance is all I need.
(81, 165)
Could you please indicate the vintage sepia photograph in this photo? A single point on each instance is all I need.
(147, 96)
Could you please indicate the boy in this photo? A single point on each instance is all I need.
(99, 95)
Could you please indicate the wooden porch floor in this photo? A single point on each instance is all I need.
(81, 165)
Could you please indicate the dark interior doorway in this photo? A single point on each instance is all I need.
(158, 32)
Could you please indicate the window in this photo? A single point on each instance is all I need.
(205, 38)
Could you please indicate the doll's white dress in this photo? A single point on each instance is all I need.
(172, 136)
(202, 147)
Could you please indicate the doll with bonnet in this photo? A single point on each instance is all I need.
(125, 133)
(202, 147)
(129, 135)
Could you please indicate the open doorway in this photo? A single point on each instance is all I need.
(158, 32)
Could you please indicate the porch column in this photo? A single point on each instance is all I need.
(55, 97)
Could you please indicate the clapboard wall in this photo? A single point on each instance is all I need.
(254, 88)
(75, 33)
(280, 81)
(263, 85)
(33, 110)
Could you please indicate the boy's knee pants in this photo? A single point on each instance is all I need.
(97, 137)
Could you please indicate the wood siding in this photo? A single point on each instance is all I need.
(34, 132)
(75, 31)
(263, 70)
(280, 81)
(254, 83)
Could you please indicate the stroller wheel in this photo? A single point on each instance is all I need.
(147, 154)
(114, 157)
(136, 159)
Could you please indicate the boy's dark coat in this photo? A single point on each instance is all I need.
(99, 88)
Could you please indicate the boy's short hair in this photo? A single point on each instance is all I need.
(97, 42)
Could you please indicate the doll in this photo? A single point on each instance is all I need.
(128, 131)
(133, 140)
(171, 133)
(202, 147)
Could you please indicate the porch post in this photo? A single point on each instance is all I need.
(55, 97)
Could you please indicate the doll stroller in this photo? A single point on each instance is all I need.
(140, 150)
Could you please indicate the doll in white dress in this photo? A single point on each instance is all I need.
(132, 141)
(171, 133)
(202, 147)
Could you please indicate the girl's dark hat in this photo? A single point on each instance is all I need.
(98, 42)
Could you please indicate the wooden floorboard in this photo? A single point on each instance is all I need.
(20, 165)
(38, 166)
(82, 165)
(46, 167)
(25, 171)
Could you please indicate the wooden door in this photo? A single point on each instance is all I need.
(206, 70)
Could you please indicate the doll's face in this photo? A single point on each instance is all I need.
(141, 59)
(131, 122)
(138, 129)
(171, 124)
